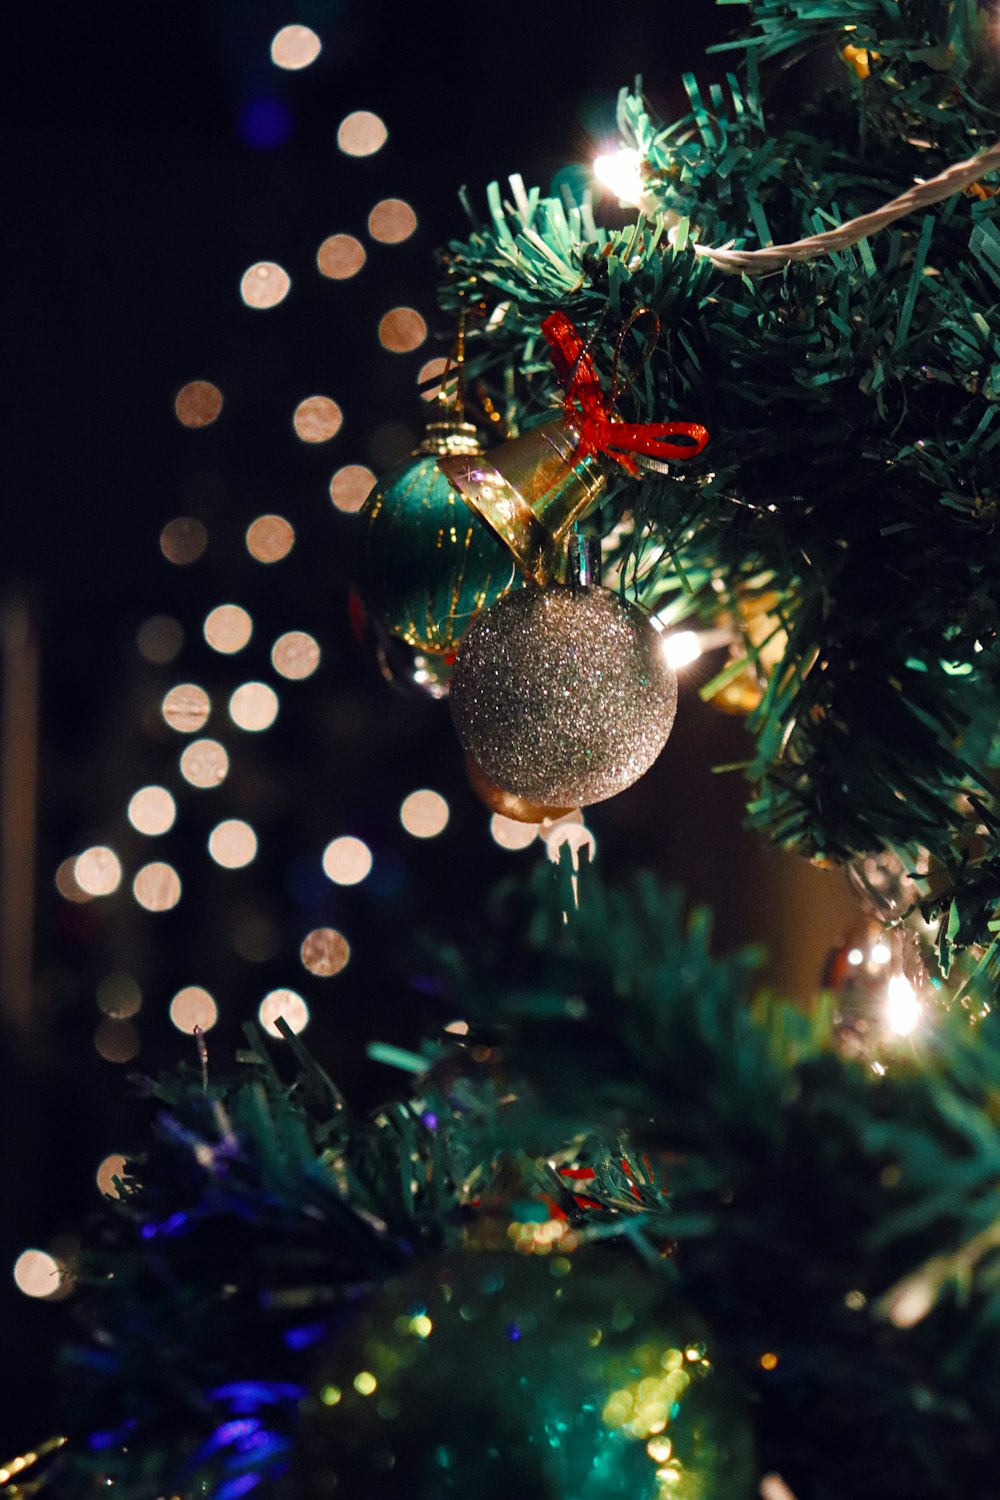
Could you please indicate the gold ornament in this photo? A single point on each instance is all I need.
(508, 804)
(761, 628)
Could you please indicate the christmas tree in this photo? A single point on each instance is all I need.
(634, 1225)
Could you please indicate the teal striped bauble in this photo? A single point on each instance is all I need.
(426, 565)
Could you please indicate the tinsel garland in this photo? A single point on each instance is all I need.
(854, 406)
(839, 1216)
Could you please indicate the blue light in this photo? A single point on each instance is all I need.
(301, 1338)
(250, 1395)
(238, 1486)
(265, 123)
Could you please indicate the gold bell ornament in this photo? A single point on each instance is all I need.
(534, 488)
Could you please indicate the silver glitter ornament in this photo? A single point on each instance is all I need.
(562, 695)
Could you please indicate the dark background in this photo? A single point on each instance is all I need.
(135, 197)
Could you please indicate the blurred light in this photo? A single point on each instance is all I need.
(285, 1003)
(270, 538)
(361, 134)
(157, 887)
(198, 403)
(98, 871)
(902, 1008)
(317, 419)
(347, 860)
(204, 763)
(117, 1041)
(351, 486)
(855, 957)
(186, 707)
(325, 951)
(391, 221)
(433, 368)
(265, 122)
(880, 953)
(552, 832)
(340, 257)
(401, 329)
(37, 1274)
(576, 836)
(183, 540)
(621, 173)
(159, 639)
(119, 996)
(681, 648)
(193, 1009)
(111, 1167)
(152, 810)
(769, 1361)
(67, 884)
(295, 47)
(295, 655)
(510, 834)
(232, 844)
(457, 1028)
(254, 706)
(365, 1382)
(265, 284)
(424, 814)
(228, 628)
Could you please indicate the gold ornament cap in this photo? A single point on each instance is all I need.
(449, 436)
(530, 491)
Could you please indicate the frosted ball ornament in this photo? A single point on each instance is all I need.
(562, 695)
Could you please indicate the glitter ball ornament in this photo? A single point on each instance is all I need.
(426, 565)
(494, 1375)
(562, 695)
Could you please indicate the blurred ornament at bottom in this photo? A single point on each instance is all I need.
(492, 1375)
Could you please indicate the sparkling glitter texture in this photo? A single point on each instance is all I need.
(562, 695)
(497, 1375)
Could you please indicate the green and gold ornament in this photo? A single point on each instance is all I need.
(426, 565)
(491, 1375)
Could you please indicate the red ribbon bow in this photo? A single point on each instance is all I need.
(593, 414)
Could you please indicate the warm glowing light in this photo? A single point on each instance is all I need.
(183, 540)
(295, 47)
(424, 814)
(552, 832)
(204, 763)
(228, 628)
(351, 486)
(324, 952)
(232, 844)
(432, 370)
(152, 810)
(391, 221)
(157, 887)
(769, 1361)
(198, 403)
(681, 648)
(510, 834)
(347, 860)
(116, 1041)
(67, 884)
(119, 996)
(365, 1382)
(340, 257)
(421, 1325)
(401, 330)
(287, 1004)
(186, 707)
(37, 1274)
(265, 284)
(295, 655)
(880, 953)
(98, 871)
(902, 1008)
(193, 1009)
(621, 173)
(270, 538)
(578, 838)
(855, 957)
(159, 639)
(254, 706)
(317, 419)
(111, 1167)
(361, 134)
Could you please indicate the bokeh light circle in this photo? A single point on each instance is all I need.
(361, 133)
(351, 486)
(157, 886)
(265, 284)
(347, 860)
(232, 844)
(317, 419)
(198, 403)
(254, 706)
(152, 810)
(391, 221)
(270, 538)
(424, 814)
(340, 257)
(98, 871)
(401, 330)
(183, 540)
(295, 47)
(228, 628)
(325, 951)
(193, 1009)
(287, 1004)
(204, 763)
(295, 655)
(186, 707)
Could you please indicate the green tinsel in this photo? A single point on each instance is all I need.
(854, 407)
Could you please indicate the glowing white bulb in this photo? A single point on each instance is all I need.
(855, 957)
(681, 648)
(621, 173)
(902, 1008)
(880, 953)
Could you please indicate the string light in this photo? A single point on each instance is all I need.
(204, 763)
(510, 834)
(186, 707)
(111, 1167)
(119, 997)
(228, 628)
(340, 256)
(361, 133)
(401, 330)
(67, 884)
(270, 538)
(347, 860)
(265, 284)
(295, 47)
(37, 1274)
(902, 1008)
(295, 655)
(350, 487)
(681, 648)
(152, 810)
(98, 871)
(183, 540)
(324, 952)
(232, 844)
(287, 1004)
(317, 419)
(621, 173)
(391, 221)
(193, 1009)
(198, 403)
(424, 814)
(157, 886)
(254, 706)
